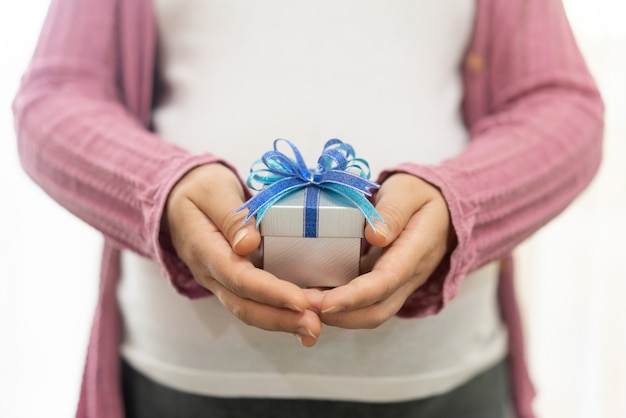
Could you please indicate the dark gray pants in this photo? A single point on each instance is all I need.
(485, 396)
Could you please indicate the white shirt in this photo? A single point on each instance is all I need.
(382, 76)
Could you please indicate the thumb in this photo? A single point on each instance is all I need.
(397, 200)
(244, 238)
(222, 195)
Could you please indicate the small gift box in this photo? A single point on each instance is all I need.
(329, 259)
(312, 220)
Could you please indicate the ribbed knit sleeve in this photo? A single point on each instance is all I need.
(78, 139)
(536, 120)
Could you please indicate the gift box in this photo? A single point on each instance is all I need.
(312, 220)
(330, 258)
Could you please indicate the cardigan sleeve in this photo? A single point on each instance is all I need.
(536, 120)
(80, 143)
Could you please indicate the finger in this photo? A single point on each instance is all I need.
(400, 263)
(205, 250)
(306, 341)
(315, 296)
(305, 324)
(399, 197)
(366, 290)
(219, 206)
(217, 192)
(368, 260)
(371, 316)
(212, 258)
(379, 295)
(212, 192)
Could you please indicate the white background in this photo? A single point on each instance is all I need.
(572, 274)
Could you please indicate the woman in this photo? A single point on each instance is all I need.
(528, 143)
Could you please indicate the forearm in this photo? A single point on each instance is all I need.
(79, 139)
(536, 121)
(521, 170)
(100, 164)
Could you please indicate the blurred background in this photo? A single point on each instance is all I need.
(571, 275)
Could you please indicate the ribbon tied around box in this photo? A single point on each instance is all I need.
(276, 175)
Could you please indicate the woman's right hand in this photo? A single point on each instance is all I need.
(214, 242)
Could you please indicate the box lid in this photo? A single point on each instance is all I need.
(337, 217)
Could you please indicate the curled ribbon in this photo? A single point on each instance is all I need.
(338, 170)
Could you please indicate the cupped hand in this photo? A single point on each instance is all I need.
(213, 242)
(416, 237)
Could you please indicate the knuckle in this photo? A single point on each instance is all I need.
(230, 224)
(371, 320)
(234, 286)
(284, 323)
(205, 280)
(334, 320)
(394, 217)
(378, 318)
(391, 285)
(429, 261)
(240, 313)
(232, 305)
(186, 250)
(391, 281)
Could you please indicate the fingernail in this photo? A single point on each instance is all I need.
(293, 307)
(381, 229)
(333, 309)
(299, 337)
(239, 236)
(305, 331)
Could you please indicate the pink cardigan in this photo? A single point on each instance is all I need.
(533, 110)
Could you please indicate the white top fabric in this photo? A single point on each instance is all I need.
(382, 76)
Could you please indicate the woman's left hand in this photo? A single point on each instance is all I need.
(417, 236)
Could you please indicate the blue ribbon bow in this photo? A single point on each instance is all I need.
(338, 170)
